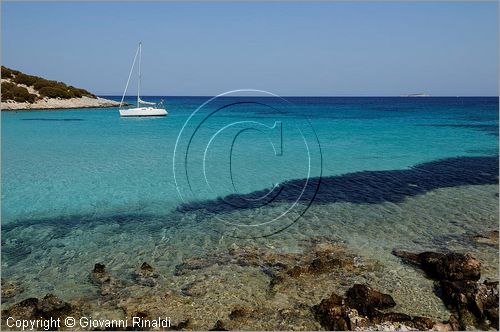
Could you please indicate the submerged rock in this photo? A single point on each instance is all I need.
(146, 275)
(108, 285)
(296, 271)
(324, 264)
(99, 275)
(52, 306)
(146, 268)
(10, 289)
(449, 266)
(474, 304)
(239, 313)
(366, 300)
(457, 293)
(486, 301)
(191, 264)
(332, 314)
(317, 259)
(25, 309)
(48, 307)
(356, 321)
(194, 288)
(360, 310)
(414, 322)
(490, 238)
(219, 326)
(183, 324)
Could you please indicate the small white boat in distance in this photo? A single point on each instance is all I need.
(156, 109)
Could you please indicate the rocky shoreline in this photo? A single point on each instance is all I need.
(57, 103)
(253, 288)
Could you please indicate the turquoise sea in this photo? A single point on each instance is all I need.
(377, 173)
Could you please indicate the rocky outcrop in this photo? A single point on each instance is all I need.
(449, 266)
(367, 300)
(361, 309)
(474, 304)
(333, 314)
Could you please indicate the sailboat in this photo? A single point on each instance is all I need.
(154, 109)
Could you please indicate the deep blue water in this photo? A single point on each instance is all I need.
(92, 161)
(86, 180)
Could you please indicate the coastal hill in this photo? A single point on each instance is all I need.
(23, 92)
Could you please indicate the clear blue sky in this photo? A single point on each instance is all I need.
(333, 49)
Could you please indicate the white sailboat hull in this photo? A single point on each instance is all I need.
(140, 111)
(143, 111)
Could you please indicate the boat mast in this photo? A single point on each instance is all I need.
(139, 81)
(129, 75)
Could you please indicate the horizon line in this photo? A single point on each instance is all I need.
(314, 96)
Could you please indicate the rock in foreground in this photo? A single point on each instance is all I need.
(449, 266)
(48, 307)
(367, 300)
(474, 304)
(360, 309)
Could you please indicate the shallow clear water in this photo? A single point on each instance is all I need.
(81, 186)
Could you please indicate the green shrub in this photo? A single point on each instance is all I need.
(22, 95)
(54, 92)
(7, 86)
(42, 82)
(7, 95)
(11, 91)
(75, 93)
(81, 92)
(7, 91)
(7, 73)
(27, 80)
(46, 88)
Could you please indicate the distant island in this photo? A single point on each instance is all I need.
(416, 95)
(26, 92)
